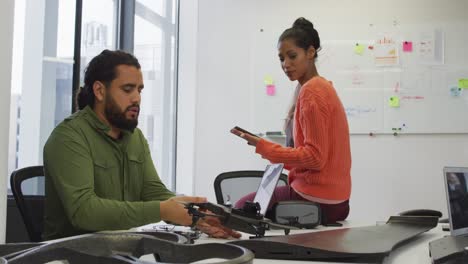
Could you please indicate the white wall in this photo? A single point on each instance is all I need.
(6, 47)
(390, 174)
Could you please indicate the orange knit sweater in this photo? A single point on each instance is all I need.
(320, 161)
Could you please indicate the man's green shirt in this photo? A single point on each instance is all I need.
(94, 182)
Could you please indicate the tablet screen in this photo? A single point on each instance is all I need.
(456, 186)
(267, 186)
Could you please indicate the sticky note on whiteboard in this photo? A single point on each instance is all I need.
(271, 90)
(463, 83)
(268, 80)
(394, 101)
(407, 46)
(455, 91)
(359, 49)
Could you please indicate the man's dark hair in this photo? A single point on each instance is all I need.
(102, 68)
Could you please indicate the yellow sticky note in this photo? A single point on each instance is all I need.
(359, 49)
(268, 80)
(463, 83)
(394, 101)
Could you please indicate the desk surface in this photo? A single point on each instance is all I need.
(415, 252)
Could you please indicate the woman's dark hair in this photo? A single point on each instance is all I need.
(102, 68)
(303, 33)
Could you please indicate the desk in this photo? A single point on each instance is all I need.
(414, 252)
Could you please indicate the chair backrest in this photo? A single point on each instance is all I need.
(31, 207)
(233, 185)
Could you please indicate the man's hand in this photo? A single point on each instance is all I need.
(173, 209)
(251, 140)
(212, 226)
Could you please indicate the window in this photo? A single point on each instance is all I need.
(98, 29)
(154, 44)
(41, 77)
(42, 71)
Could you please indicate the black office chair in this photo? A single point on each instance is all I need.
(233, 185)
(31, 207)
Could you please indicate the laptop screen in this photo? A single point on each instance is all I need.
(456, 186)
(267, 186)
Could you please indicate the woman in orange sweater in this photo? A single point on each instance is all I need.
(319, 161)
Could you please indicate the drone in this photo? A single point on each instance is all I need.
(247, 220)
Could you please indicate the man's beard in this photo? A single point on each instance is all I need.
(117, 118)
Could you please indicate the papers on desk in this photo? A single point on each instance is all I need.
(162, 226)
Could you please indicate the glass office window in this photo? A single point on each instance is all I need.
(41, 78)
(98, 29)
(42, 72)
(156, 6)
(154, 46)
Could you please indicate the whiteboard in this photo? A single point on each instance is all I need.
(423, 80)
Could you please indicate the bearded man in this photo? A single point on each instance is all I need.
(97, 163)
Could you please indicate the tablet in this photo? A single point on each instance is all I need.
(267, 186)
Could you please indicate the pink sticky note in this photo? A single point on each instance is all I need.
(407, 46)
(270, 90)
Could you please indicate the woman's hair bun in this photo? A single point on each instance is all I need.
(303, 23)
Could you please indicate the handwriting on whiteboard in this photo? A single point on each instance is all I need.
(417, 97)
(357, 111)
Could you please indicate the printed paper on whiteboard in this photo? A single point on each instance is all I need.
(430, 47)
(386, 52)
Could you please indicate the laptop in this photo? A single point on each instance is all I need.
(267, 185)
(456, 189)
